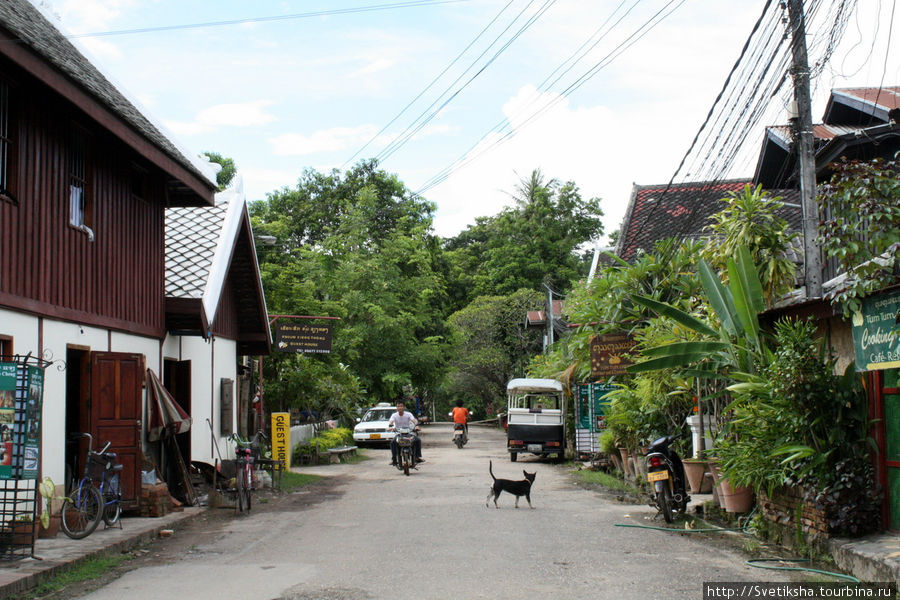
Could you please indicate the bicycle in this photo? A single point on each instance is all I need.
(85, 506)
(246, 453)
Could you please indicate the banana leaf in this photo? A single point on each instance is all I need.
(718, 298)
(678, 348)
(677, 315)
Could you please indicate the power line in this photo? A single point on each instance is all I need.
(428, 87)
(633, 38)
(306, 15)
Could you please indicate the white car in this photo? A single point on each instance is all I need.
(373, 427)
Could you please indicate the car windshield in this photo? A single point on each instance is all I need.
(378, 415)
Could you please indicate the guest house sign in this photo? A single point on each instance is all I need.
(876, 340)
(303, 336)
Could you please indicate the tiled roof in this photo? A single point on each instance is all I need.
(192, 235)
(683, 210)
(27, 23)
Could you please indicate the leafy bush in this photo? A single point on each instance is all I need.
(329, 438)
(851, 505)
(795, 422)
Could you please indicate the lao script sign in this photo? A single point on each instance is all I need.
(875, 333)
(303, 337)
(607, 354)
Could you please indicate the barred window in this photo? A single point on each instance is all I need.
(7, 144)
(80, 205)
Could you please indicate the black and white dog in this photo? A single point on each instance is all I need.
(516, 488)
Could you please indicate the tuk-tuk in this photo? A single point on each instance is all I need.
(536, 417)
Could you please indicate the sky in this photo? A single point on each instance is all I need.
(303, 84)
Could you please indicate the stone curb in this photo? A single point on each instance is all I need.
(37, 572)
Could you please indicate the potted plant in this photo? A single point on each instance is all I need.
(50, 519)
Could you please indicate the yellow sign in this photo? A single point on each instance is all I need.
(281, 438)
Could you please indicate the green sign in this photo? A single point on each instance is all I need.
(876, 342)
(21, 398)
(592, 405)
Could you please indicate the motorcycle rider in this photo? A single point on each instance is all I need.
(404, 418)
(461, 416)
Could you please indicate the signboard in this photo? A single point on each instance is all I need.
(607, 354)
(281, 438)
(21, 399)
(876, 342)
(303, 337)
(592, 405)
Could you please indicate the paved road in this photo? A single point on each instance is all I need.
(378, 534)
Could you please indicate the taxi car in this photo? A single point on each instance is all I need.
(373, 426)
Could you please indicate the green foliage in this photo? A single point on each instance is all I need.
(524, 246)
(850, 503)
(490, 346)
(863, 229)
(750, 220)
(356, 246)
(228, 170)
(329, 438)
(797, 420)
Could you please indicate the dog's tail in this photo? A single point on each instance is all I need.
(491, 470)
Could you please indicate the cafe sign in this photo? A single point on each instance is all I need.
(876, 339)
(607, 354)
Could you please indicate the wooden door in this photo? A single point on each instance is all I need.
(116, 412)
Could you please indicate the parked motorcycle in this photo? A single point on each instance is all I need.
(406, 458)
(665, 472)
(459, 435)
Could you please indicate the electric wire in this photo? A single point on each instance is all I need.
(633, 38)
(411, 131)
(429, 86)
(306, 15)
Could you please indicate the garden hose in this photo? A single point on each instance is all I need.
(751, 562)
(809, 569)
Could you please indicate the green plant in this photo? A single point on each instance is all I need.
(47, 490)
(750, 219)
(863, 229)
(851, 504)
(607, 442)
(328, 438)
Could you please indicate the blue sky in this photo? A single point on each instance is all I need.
(283, 95)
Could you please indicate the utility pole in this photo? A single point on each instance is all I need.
(805, 154)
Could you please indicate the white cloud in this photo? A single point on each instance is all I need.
(246, 114)
(325, 140)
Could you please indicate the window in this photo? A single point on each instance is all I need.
(7, 144)
(80, 204)
(6, 347)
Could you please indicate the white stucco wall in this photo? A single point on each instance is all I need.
(211, 360)
(57, 336)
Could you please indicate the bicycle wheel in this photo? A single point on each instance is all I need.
(82, 512)
(239, 489)
(248, 486)
(112, 502)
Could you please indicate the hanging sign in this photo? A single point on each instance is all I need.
(281, 438)
(607, 354)
(876, 342)
(303, 337)
(21, 399)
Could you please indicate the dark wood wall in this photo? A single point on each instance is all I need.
(49, 267)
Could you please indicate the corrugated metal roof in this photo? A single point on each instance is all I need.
(888, 97)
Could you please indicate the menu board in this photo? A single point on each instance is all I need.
(21, 401)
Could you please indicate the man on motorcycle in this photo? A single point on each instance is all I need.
(461, 416)
(404, 418)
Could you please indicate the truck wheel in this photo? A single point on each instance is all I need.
(512, 456)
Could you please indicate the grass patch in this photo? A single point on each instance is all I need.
(291, 481)
(605, 480)
(87, 570)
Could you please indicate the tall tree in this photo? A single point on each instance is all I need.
(535, 241)
(359, 246)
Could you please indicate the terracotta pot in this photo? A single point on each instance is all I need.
(52, 529)
(694, 470)
(23, 532)
(735, 499)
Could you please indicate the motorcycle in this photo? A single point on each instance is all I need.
(459, 435)
(406, 459)
(665, 472)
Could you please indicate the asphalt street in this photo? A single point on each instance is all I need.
(378, 534)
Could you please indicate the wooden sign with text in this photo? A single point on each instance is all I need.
(607, 354)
